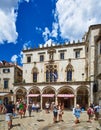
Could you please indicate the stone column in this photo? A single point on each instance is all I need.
(41, 101)
(91, 92)
(56, 100)
(27, 99)
(75, 100)
(91, 88)
(14, 96)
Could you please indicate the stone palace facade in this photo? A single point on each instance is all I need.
(68, 73)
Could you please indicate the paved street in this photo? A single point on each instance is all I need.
(43, 121)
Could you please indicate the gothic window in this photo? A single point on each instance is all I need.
(55, 75)
(69, 75)
(47, 76)
(51, 73)
(35, 77)
(35, 74)
(69, 72)
(51, 76)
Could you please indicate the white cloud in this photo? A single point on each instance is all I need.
(7, 20)
(8, 16)
(49, 43)
(75, 16)
(46, 34)
(21, 57)
(54, 32)
(14, 58)
(27, 45)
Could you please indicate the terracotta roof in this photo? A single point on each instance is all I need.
(8, 64)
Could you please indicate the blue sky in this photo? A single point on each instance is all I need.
(29, 23)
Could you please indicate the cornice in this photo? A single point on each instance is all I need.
(55, 47)
(53, 83)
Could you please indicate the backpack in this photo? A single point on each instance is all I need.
(95, 110)
(89, 111)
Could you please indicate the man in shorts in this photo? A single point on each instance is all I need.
(9, 113)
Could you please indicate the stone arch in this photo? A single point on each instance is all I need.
(48, 95)
(34, 69)
(34, 94)
(69, 67)
(65, 96)
(82, 96)
(48, 89)
(66, 88)
(34, 89)
(21, 93)
(69, 72)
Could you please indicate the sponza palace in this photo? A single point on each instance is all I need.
(69, 73)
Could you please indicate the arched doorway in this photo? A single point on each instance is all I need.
(48, 95)
(21, 94)
(66, 97)
(82, 96)
(34, 95)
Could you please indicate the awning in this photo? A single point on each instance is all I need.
(3, 94)
(33, 95)
(65, 95)
(47, 95)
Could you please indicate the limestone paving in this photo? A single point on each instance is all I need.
(43, 121)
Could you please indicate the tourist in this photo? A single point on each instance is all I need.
(96, 111)
(33, 106)
(60, 112)
(30, 109)
(17, 106)
(47, 106)
(52, 106)
(24, 109)
(55, 113)
(1, 108)
(77, 112)
(37, 107)
(9, 108)
(21, 108)
(90, 113)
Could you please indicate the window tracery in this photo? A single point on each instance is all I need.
(51, 73)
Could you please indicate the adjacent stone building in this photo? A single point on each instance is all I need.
(9, 74)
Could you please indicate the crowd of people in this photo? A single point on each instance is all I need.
(20, 107)
(92, 112)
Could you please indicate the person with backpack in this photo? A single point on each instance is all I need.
(90, 113)
(96, 111)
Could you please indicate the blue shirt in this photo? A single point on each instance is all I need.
(77, 112)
